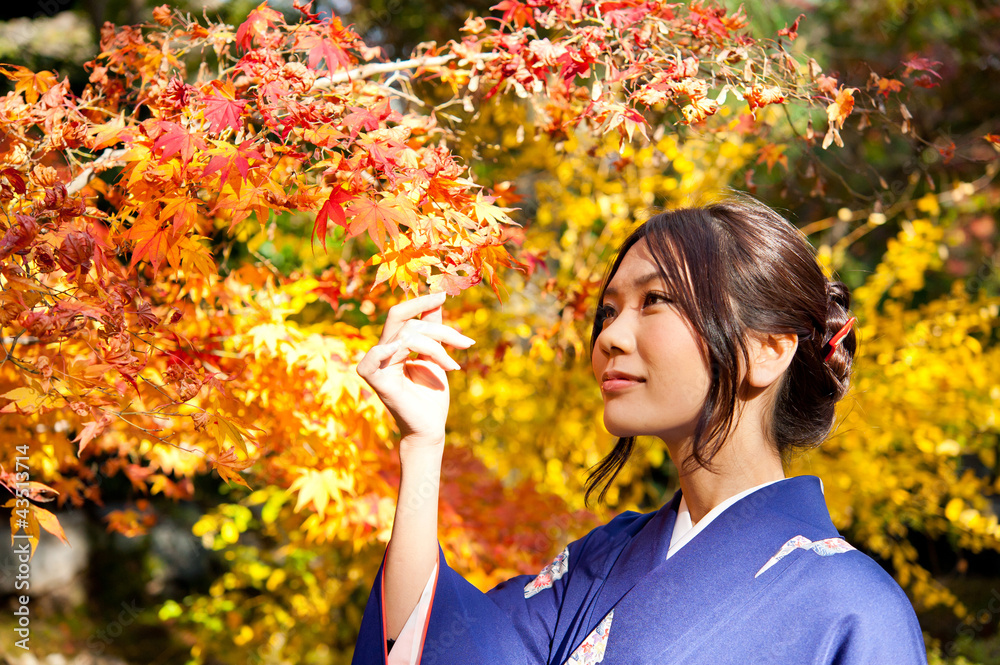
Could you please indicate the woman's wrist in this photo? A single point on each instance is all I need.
(420, 481)
(421, 447)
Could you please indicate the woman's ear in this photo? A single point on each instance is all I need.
(770, 356)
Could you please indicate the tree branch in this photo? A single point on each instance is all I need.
(372, 69)
(85, 176)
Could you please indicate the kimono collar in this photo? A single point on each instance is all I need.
(684, 530)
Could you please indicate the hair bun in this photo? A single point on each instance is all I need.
(838, 305)
(837, 294)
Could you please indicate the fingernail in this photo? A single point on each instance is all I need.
(469, 339)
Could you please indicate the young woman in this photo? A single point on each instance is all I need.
(718, 333)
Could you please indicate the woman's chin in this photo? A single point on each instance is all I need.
(621, 430)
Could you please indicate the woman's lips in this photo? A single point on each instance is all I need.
(614, 385)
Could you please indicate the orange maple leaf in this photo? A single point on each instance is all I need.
(229, 465)
(50, 523)
(109, 133)
(152, 240)
(91, 431)
(28, 82)
(841, 107)
(380, 217)
(886, 86)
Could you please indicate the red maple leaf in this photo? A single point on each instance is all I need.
(360, 118)
(622, 14)
(382, 154)
(369, 119)
(574, 64)
(15, 179)
(332, 208)
(222, 109)
(256, 25)
(175, 139)
(793, 31)
(323, 48)
(230, 156)
(916, 63)
(515, 12)
(451, 282)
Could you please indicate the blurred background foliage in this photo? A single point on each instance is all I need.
(907, 221)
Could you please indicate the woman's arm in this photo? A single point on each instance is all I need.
(413, 546)
(415, 391)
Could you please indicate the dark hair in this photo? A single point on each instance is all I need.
(750, 270)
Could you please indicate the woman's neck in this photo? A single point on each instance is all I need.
(740, 464)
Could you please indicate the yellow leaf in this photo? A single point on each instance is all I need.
(26, 400)
(954, 509)
(487, 212)
(311, 488)
(50, 523)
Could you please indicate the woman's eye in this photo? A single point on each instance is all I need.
(653, 297)
(604, 313)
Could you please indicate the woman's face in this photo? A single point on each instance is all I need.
(647, 358)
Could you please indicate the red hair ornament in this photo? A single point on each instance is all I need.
(836, 339)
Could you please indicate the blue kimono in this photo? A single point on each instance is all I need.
(769, 580)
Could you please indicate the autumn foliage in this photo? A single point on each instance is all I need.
(147, 334)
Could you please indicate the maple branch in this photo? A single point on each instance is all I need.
(14, 341)
(9, 355)
(85, 176)
(149, 433)
(904, 203)
(372, 69)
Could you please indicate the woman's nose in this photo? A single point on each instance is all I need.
(616, 337)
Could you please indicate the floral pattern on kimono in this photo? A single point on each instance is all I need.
(592, 649)
(825, 547)
(549, 574)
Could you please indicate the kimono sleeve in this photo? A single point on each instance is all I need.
(860, 616)
(511, 623)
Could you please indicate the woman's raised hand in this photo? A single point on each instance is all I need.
(414, 390)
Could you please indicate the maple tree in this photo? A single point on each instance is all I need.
(134, 343)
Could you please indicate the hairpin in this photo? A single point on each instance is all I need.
(836, 339)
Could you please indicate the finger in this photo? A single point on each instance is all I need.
(438, 332)
(423, 346)
(434, 315)
(373, 360)
(408, 309)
